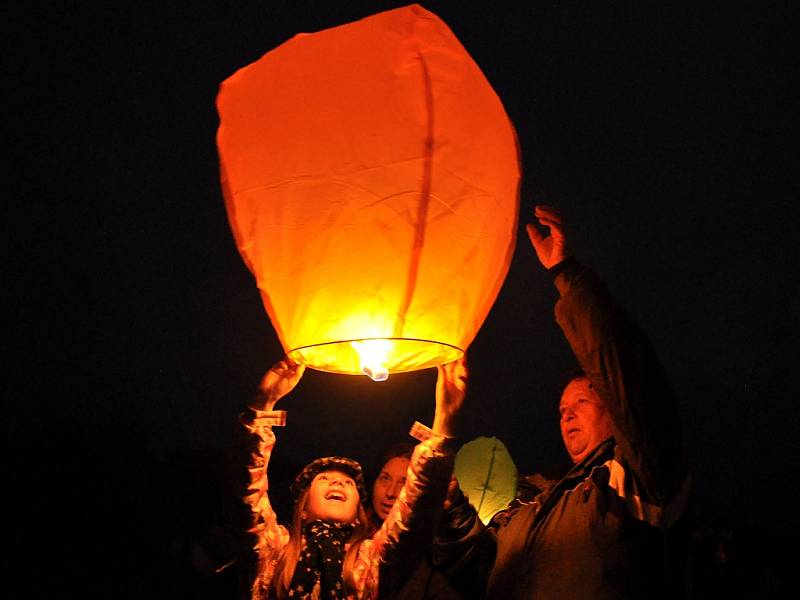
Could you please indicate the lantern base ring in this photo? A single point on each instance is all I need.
(360, 356)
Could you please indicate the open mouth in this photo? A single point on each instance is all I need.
(334, 495)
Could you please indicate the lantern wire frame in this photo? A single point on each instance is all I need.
(376, 357)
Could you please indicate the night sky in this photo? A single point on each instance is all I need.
(138, 335)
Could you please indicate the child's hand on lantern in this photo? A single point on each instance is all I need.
(451, 388)
(281, 379)
(551, 249)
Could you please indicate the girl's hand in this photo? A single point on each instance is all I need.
(451, 388)
(281, 379)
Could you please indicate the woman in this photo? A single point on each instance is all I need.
(419, 579)
(329, 552)
(389, 481)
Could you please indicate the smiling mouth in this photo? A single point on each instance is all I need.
(335, 496)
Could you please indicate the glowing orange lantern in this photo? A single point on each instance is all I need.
(371, 178)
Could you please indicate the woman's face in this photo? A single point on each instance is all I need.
(388, 485)
(333, 497)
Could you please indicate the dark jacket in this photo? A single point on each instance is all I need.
(605, 530)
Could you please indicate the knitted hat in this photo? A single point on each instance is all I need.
(328, 463)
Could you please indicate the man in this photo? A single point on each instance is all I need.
(603, 530)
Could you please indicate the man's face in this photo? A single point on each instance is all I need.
(388, 485)
(585, 422)
(332, 497)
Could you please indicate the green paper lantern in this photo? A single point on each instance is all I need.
(487, 475)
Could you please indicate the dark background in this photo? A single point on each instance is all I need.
(137, 337)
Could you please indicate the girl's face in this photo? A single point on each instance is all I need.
(333, 497)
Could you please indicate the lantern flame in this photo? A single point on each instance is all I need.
(372, 357)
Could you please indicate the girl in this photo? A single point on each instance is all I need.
(328, 552)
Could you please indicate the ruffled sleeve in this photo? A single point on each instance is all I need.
(407, 532)
(271, 537)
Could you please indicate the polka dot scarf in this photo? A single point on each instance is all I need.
(320, 562)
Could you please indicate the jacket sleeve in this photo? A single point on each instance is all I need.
(464, 548)
(271, 537)
(407, 531)
(618, 359)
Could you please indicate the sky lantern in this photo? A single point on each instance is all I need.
(370, 175)
(487, 475)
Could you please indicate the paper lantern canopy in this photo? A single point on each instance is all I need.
(371, 178)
